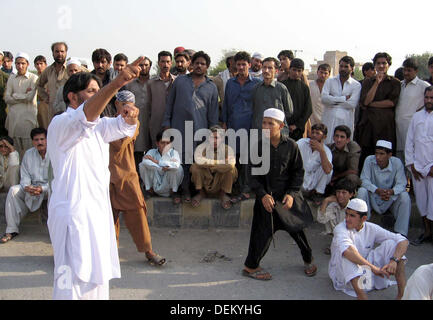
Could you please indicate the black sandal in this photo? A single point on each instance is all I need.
(8, 237)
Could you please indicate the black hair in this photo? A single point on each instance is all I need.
(324, 66)
(297, 63)
(430, 61)
(160, 134)
(320, 127)
(8, 139)
(349, 60)
(367, 66)
(344, 129)
(429, 88)
(40, 58)
(100, 54)
(228, 61)
(78, 82)
(183, 54)
(165, 54)
(242, 55)
(120, 57)
(286, 53)
(399, 74)
(346, 184)
(410, 63)
(8, 54)
(382, 55)
(57, 43)
(37, 131)
(276, 62)
(201, 54)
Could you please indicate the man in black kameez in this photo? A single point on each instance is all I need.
(282, 183)
(300, 94)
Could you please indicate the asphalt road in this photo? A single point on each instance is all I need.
(202, 264)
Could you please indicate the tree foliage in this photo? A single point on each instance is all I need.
(221, 65)
(422, 60)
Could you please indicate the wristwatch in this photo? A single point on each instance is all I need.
(395, 259)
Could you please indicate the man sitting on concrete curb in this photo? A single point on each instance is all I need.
(9, 164)
(356, 266)
(161, 170)
(345, 158)
(332, 211)
(277, 192)
(317, 160)
(213, 170)
(384, 186)
(33, 188)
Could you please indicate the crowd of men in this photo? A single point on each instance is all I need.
(349, 147)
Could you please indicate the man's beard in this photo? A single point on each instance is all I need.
(255, 68)
(59, 60)
(429, 106)
(180, 69)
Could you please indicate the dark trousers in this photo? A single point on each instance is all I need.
(261, 237)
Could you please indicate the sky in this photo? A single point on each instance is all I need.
(135, 28)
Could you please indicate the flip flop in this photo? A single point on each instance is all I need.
(176, 198)
(8, 237)
(225, 202)
(239, 198)
(157, 259)
(310, 270)
(196, 200)
(257, 274)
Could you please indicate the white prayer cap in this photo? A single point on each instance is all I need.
(274, 113)
(1, 53)
(22, 55)
(125, 96)
(258, 55)
(73, 61)
(384, 144)
(358, 205)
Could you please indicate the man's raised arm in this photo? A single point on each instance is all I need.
(96, 104)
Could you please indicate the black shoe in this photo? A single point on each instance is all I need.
(422, 238)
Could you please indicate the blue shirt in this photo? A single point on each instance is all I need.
(237, 109)
(391, 177)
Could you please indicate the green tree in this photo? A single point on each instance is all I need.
(221, 65)
(358, 74)
(422, 60)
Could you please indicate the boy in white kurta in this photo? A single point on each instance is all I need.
(356, 266)
(317, 159)
(161, 170)
(80, 217)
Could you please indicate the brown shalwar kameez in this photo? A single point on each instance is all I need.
(125, 193)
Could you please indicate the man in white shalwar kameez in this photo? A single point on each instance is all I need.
(356, 265)
(419, 160)
(161, 169)
(80, 218)
(33, 188)
(340, 96)
(317, 160)
(420, 284)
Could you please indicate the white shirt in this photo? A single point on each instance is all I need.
(419, 142)
(363, 240)
(80, 214)
(34, 171)
(410, 100)
(420, 284)
(311, 161)
(337, 109)
(22, 105)
(170, 159)
(316, 101)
